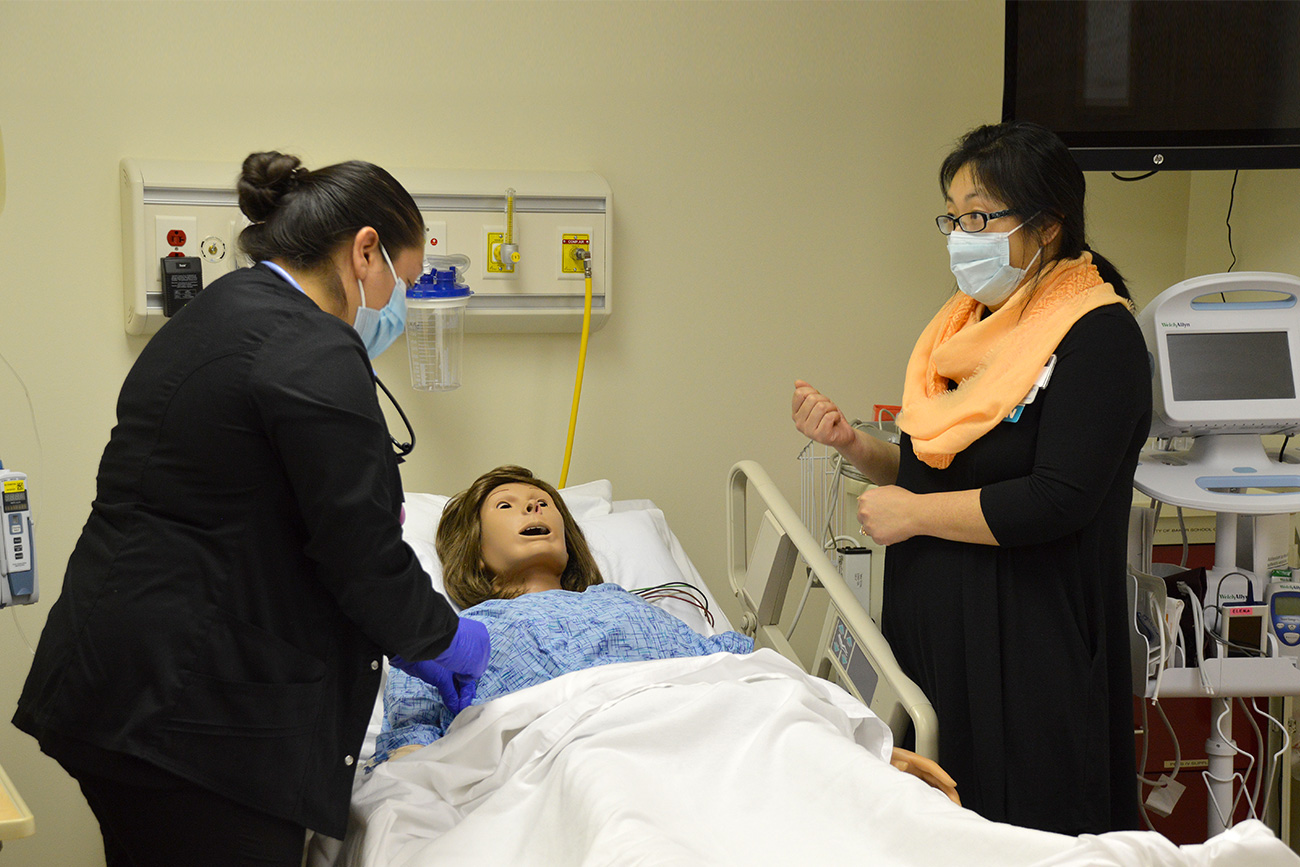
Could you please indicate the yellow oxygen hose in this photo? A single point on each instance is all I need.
(582, 363)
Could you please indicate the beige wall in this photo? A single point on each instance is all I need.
(773, 169)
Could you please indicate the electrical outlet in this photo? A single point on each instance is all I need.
(176, 236)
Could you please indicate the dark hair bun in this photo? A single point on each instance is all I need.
(266, 178)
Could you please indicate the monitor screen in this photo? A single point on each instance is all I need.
(1287, 605)
(1235, 365)
(1152, 84)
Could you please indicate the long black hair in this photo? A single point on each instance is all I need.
(1030, 170)
(301, 216)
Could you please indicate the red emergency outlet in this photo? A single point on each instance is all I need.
(176, 237)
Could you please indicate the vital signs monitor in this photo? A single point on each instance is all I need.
(1225, 355)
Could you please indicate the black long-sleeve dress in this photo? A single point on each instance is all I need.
(1023, 647)
(242, 570)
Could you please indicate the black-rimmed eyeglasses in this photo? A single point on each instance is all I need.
(975, 221)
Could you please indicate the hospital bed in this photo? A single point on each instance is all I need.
(756, 759)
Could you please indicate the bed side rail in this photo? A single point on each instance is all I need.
(852, 652)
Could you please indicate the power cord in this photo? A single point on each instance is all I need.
(1232, 195)
(1162, 802)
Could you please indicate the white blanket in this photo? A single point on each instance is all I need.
(717, 760)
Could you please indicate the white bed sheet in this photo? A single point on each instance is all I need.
(718, 760)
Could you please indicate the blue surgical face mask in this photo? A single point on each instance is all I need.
(379, 328)
(981, 262)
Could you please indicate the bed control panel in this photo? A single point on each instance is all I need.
(844, 650)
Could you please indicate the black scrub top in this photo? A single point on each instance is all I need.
(1022, 647)
(224, 612)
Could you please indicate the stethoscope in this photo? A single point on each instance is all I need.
(400, 449)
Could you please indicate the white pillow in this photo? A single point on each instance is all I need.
(634, 550)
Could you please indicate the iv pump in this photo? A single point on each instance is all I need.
(18, 562)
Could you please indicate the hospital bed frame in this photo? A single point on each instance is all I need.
(852, 652)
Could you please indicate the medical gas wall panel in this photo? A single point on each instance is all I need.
(189, 210)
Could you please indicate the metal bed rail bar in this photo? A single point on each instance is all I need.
(852, 652)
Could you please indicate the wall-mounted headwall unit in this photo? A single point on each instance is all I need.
(190, 209)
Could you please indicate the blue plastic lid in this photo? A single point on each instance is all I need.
(439, 284)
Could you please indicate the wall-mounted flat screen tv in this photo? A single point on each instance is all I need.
(1134, 85)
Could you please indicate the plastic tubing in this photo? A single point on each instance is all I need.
(577, 385)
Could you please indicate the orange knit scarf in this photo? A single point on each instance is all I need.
(994, 360)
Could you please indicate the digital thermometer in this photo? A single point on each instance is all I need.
(18, 562)
(1283, 601)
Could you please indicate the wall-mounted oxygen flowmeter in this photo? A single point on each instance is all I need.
(18, 561)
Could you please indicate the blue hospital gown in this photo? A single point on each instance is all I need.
(540, 636)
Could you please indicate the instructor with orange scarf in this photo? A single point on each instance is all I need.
(1005, 505)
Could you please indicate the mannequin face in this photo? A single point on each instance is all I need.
(523, 536)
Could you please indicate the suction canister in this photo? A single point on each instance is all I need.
(435, 326)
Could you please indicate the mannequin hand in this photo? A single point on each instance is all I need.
(818, 418)
(885, 514)
(927, 770)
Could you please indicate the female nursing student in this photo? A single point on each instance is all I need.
(1005, 506)
(210, 666)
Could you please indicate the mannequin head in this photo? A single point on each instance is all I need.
(508, 534)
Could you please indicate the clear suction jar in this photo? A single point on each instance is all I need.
(435, 329)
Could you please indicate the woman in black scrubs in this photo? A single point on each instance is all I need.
(212, 661)
(1005, 506)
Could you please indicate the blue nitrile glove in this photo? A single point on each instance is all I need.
(455, 671)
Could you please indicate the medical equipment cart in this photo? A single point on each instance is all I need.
(1229, 475)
